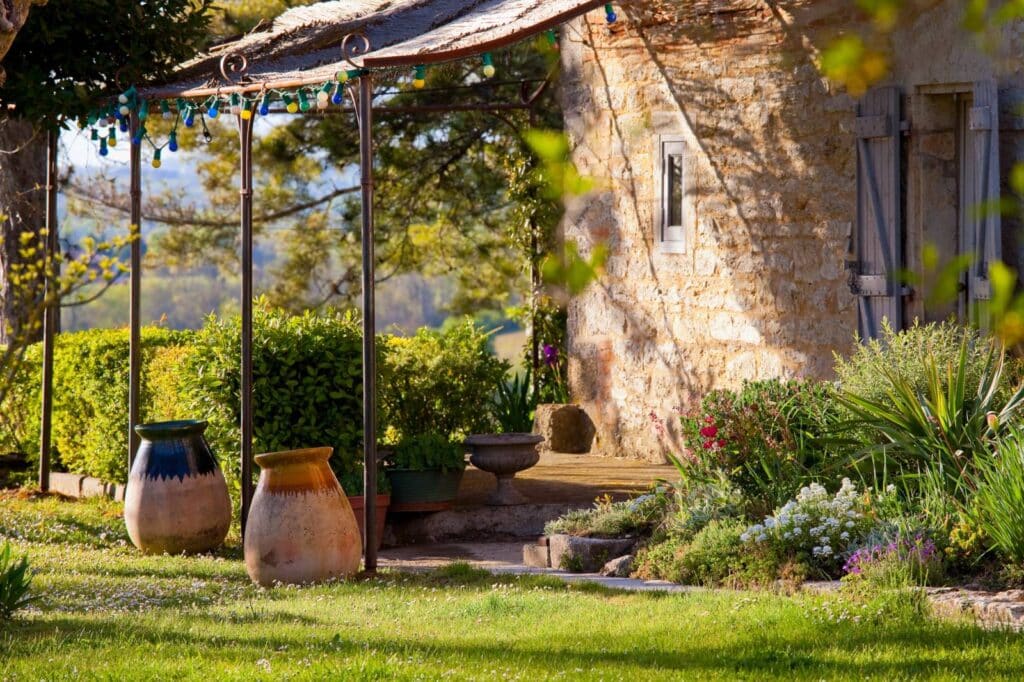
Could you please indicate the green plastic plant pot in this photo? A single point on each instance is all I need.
(417, 490)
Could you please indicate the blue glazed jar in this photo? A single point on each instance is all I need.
(176, 500)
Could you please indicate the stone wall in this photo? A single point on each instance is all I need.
(761, 290)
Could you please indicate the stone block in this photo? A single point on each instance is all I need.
(566, 428)
(618, 568)
(66, 484)
(94, 487)
(585, 555)
(536, 556)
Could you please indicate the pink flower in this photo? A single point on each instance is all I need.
(709, 431)
(708, 444)
(709, 419)
(720, 442)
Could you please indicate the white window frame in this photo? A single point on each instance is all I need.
(670, 238)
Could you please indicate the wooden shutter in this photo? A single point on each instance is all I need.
(877, 236)
(982, 232)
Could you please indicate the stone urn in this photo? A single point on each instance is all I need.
(301, 528)
(504, 455)
(176, 499)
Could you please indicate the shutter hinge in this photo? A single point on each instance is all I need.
(980, 118)
(870, 286)
(981, 288)
(872, 126)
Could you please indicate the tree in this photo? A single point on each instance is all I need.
(12, 18)
(68, 57)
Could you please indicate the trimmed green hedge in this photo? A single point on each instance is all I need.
(307, 374)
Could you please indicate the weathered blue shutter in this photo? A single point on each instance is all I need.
(877, 235)
(982, 233)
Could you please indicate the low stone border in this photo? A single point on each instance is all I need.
(576, 554)
(76, 485)
(990, 609)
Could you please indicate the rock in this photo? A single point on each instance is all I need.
(536, 556)
(585, 555)
(618, 568)
(566, 428)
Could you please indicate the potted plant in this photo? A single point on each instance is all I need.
(352, 484)
(514, 447)
(425, 471)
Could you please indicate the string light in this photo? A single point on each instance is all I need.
(489, 69)
(265, 104)
(95, 135)
(289, 104)
(246, 112)
(420, 78)
(303, 101)
(338, 97)
(323, 96)
(172, 141)
(122, 125)
(103, 146)
(165, 110)
(190, 116)
(139, 134)
(235, 104)
(112, 137)
(609, 13)
(552, 38)
(144, 110)
(213, 111)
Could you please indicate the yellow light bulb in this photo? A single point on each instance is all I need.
(156, 163)
(418, 83)
(292, 107)
(489, 71)
(112, 142)
(246, 114)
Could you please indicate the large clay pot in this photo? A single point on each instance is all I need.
(358, 503)
(301, 528)
(176, 499)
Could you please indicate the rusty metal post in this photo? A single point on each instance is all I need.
(245, 126)
(135, 289)
(51, 311)
(369, 325)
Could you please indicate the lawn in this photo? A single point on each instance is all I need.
(105, 612)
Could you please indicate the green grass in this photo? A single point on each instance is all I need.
(105, 612)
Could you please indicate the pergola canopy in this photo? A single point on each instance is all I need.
(303, 46)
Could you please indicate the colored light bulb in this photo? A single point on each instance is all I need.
(289, 104)
(420, 77)
(165, 110)
(324, 93)
(338, 96)
(213, 111)
(139, 134)
(112, 138)
(303, 101)
(144, 110)
(190, 117)
(342, 76)
(95, 135)
(123, 125)
(609, 13)
(552, 38)
(103, 146)
(156, 158)
(124, 110)
(172, 141)
(236, 104)
(265, 105)
(489, 69)
(92, 118)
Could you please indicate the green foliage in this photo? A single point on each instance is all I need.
(514, 404)
(307, 384)
(15, 581)
(90, 401)
(608, 519)
(999, 500)
(906, 354)
(662, 560)
(440, 383)
(769, 438)
(50, 75)
(699, 501)
(944, 428)
(717, 555)
(428, 452)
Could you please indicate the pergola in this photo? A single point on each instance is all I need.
(343, 42)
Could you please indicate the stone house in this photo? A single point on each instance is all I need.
(756, 215)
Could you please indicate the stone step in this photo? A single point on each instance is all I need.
(481, 523)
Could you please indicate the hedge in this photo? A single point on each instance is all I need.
(307, 380)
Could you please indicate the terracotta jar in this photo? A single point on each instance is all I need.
(301, 528)
(176, 499)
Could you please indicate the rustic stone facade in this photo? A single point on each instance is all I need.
(760, 289)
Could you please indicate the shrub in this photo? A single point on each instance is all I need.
(697, 502)
(999, 501)
(815, 528)
(607, 519)
(307, 384)
(718, 555)
(440, 383)
(515, 404)
(907, 354)
(903, 562)
(769, 438)
(90, 399)
(662, 560)
(15, 580)
(428, 451)
(946, 427)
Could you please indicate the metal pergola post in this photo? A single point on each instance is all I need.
(365, 107)
(51, 310)
(245, 126)
(135, 288)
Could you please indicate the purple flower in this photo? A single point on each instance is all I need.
(550, 355)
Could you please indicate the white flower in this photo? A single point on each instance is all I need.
(745, 537)
(762, 537)
(890, 488)
(844, 535)
(850, 524)
(816, 531)
(769, 522)
(797, 530)
(826, 550)
(825, 540)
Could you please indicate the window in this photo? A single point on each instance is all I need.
(670, 213)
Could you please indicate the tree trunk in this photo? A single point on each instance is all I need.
(23, 210)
